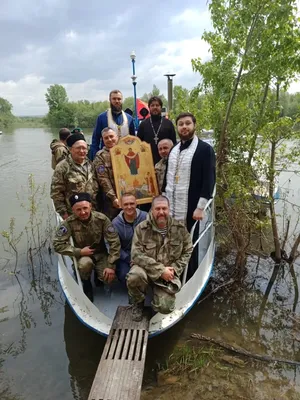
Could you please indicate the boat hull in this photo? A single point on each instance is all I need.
(98, 316)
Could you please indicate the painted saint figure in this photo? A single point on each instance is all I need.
(150, 184)
(132, 159)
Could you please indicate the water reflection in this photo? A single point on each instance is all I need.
(33, 288)
(83, 348)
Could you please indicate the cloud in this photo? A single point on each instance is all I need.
(86, 48)
(192, 18)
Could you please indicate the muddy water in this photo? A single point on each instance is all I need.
(45, 352)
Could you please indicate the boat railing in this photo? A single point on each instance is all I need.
(209, 216)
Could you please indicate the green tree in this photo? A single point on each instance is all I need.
(56, 96)
(255, 47)
(6, 115)
(128, 103)
(154, 92)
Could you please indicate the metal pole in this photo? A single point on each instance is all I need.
(170, 91)
(134, 77)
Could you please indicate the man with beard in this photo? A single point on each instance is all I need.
(89, 229)
(156, 128)
(164, 148)
(190, 177)
(114, 118)
(161, 248)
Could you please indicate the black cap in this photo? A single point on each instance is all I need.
(76, 198)
(74, 138)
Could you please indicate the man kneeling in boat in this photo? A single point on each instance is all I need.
(161, 249)
(89, 229)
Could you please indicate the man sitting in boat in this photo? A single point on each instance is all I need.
(59, 148)
(74, 174)
(89, 229)
(164, 147)
(161, 249)
(125, 224)
(105, 175)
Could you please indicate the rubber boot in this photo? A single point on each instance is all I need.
(137, 311)
(88, 289)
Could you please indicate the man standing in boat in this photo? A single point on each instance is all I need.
(114, 118)
(161, 249)
(190, 177)
(105, 175)
(89, 229)
(125, 224)
(156, 128)
(74, 174)
(59, 148)
(164, 148)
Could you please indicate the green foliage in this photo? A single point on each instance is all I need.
(29, 122)
(56, 97)
(255, 49)
(154, 92)
(6, 116)
(188, 358)
(128, 103)
(290, 104)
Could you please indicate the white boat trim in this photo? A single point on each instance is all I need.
(91, 316)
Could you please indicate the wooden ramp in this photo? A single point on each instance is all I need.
(120, 372)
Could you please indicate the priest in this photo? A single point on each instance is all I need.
(156, 127)
(190, 177)
(114, 118)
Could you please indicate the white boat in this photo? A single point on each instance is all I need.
(99, 315)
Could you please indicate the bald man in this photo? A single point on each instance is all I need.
(164, 147)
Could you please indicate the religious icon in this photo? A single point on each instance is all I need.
(133, 169)
(133, 161)
(150, 184)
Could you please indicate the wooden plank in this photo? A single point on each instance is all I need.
(120, 372)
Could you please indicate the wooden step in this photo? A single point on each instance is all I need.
(120, 372)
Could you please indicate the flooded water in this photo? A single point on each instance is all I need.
(46, 353)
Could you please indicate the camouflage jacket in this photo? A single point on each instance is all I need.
(152, 252)
(69, 178)
(84, 234)
(105, 175)
(160, 170)
(59, 152)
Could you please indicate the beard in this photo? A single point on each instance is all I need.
(187, 136)
(116, 109)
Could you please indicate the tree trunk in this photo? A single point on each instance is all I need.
(258, 124)
(223, 144)
(294, 249)
(272, 203)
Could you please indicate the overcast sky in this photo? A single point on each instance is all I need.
(86, 47)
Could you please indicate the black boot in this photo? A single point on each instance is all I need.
(88, 289)
(137, 311)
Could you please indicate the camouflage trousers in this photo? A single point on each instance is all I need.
(137, 283)
(86, 265)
